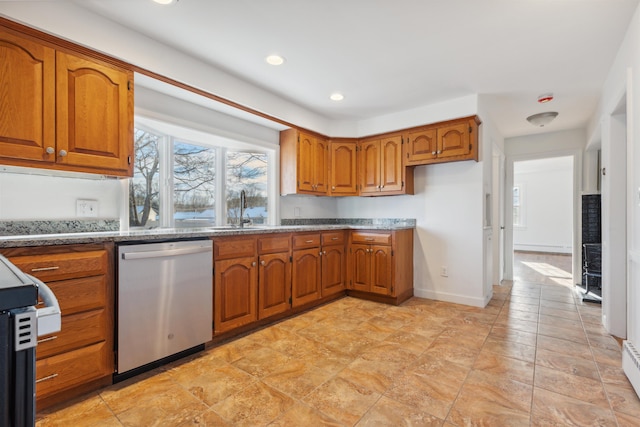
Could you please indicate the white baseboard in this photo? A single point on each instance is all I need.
(542, 248)
(454, 298)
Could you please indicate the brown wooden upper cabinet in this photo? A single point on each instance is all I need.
(63, 111)
(443, 142)
(304, 161)
(381, 169)
(343, 176)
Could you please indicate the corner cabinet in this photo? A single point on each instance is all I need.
(450, 141)
(79, 357)
(62, 110)
(304, 161)
(380, 265)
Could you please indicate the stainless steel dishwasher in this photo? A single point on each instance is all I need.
(165, 303)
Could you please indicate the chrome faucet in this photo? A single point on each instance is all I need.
(243, 206)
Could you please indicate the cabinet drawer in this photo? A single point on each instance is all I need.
(228, 248)
(368, 237)
(333, 238)
(75, 295)
(72, 368)
(303, 241)
(50, 267)
(274, 244)
(78, 330)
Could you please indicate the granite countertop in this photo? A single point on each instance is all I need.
(159, 234)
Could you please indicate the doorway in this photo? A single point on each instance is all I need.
(543, 217)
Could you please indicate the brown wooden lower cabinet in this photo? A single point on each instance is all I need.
(272, 275)
(274, 284)
(79, 357)
(235, 293)
(306, 276)
(380, 265)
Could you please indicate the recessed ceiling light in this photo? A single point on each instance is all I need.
(336, 96)
(274, 60)
(164, 1)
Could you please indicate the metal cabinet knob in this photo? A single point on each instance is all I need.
(333, 188)
(62, 153)
(253, 264)
(439, 151)
(263, 263)
(50, 150)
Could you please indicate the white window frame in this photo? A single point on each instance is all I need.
(522, 223)
(166, 141)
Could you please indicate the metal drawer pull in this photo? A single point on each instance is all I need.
(369, 239)
(49, 377)
(334, 238)
(308, 241)
(47, 339)
(55, 267)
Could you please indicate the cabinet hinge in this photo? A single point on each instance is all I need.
(470, 129)
(470, 147)
(402, 184)
(391, 252)
(298, 138)
(128, 84)
(391, 289)
(290, 300)
(129, 160)
(290, 258)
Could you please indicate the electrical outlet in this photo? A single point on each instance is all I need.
(86, 208)
(444, 271)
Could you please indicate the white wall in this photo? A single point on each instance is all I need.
(546, 187)
(31, 196)
(447, 206)
(620, 144)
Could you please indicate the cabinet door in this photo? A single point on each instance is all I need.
(391, 175)
(369, 167)
(334, 265)
(421, 146)
(343, 169)
(306, 179)
(94, 123)
(321, 165)
(381, 277)
(359, 268)
(454, 140)
(27, 104)
(235, 290)
(274, 284)
(305, 280)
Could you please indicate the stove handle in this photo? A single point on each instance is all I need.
(49, 317)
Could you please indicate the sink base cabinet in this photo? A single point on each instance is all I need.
(380, 265)
(79, 358)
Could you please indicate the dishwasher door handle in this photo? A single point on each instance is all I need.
(164, 253)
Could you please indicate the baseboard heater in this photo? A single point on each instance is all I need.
(631, 364)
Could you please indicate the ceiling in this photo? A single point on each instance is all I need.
(387, 56)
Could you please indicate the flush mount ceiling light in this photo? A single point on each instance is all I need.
(165, 1)
(274, 60)
(542, 119)
(336, 96)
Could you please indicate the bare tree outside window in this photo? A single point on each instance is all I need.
(193, 184)
(248, 172)
(144, 205)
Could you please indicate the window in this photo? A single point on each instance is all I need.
(518, 214)
(181, 183)
(144, 204)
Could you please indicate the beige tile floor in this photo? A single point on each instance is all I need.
(535, 356)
